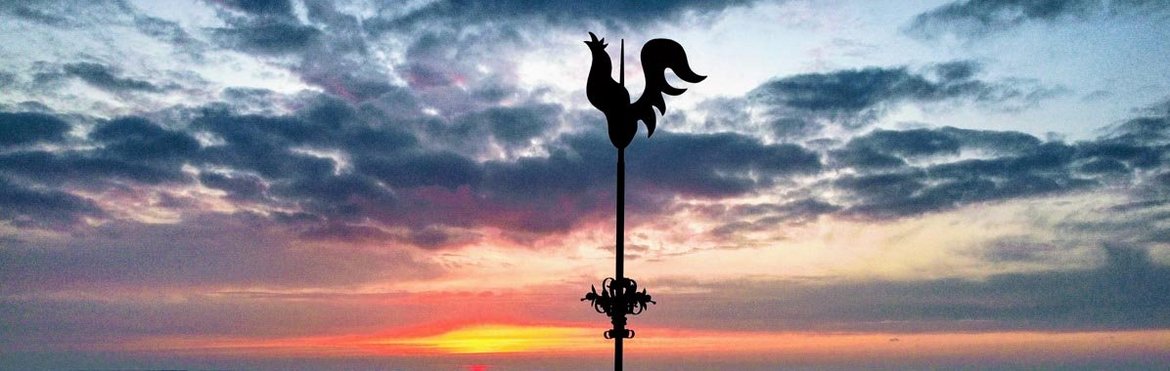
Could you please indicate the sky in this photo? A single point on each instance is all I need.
(310, 184)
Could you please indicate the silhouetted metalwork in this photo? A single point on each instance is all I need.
(619, 295)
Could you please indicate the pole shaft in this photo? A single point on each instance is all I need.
(619, 319)
(622, 64)
(620, 259)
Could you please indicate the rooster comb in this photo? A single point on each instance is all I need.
(596, 41)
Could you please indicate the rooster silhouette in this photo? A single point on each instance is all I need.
(612, 98)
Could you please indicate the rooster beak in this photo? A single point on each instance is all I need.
(592, 36)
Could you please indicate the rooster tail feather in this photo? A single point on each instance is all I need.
(650, 121)
(657, 56)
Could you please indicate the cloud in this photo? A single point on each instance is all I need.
(23, 11)
(395, 179)
(978, 18)
(17, 128)
(103, 77)
(238, 186)
(801, 105)
(227, 250)
(1126, 292)
(718, 164)
(346, 167)
(127, 149)
(138, 139)
(910, 172)
(85, 169)
(268, 36)
(261, 7)
(43, 208)
(6, 79)
(448, 170)
(170, 32)
(768, 216)
(892, 148)
(610, 13)
(910, 190)
(508, 128)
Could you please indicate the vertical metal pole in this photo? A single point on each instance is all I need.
(619, 314)
(619, 319)
(622, 65)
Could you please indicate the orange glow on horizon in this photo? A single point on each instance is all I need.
(497, 338)
(520, 341)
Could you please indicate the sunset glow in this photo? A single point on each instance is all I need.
(425, 185)
(502, 339)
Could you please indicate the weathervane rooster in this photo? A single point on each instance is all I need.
(620, 295)
(612, 98)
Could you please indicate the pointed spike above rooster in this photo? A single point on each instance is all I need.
(612, 98)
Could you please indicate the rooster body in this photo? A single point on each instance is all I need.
(613, 100)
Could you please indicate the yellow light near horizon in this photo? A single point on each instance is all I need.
(498, 339)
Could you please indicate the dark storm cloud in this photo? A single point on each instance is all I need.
(1148, 130)
(891, 148)
(261, 7)
(717, 165)
(239, 187)
(265, 144)
(1127, 292)
(508, 128)
(574, 175)
(342, 198)
(124, 151)
(976, 18)
(993, 142)
(910, 172)
(1141, 145)
(578, 174)
(103, 77)
(909, 191)
(609, 12)
(268, 28)
(380, 173)
(909, 143)
(86, 168)
(457, 72)
(392, 180)
(28, 127)
(712, 165)
(800, 105)
(354, 83)
(448, 170)
(26, 12)
(249, 99)
(132, 148)
(170, 32)
(330, 50)
(42, 208)
(260, 152)
(269, 36)
(138, 139)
